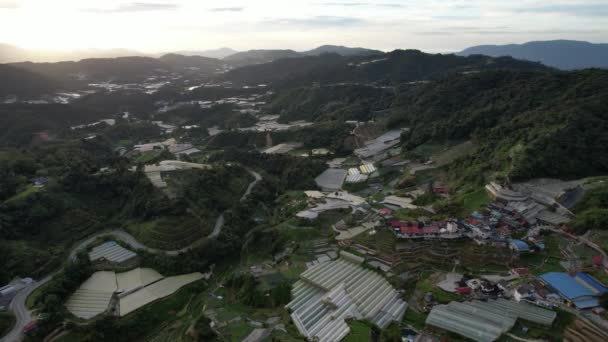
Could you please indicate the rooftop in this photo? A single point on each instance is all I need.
(581, 288)
(111, 251)
(329, 293)
(486, 321)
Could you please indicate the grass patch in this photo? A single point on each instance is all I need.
(440, 295)
(410, 214)
(154, 317)
(600, 275)
(72, 337)
(25, 193)
(545, 261)
(383, 241)
(237, 331)
(414, 318)
(359, 332)
(475, 200)
(452, 153)
(146, 157)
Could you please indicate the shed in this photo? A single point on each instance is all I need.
(519, 246)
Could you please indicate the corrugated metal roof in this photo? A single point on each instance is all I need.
(486, 321)
(520, 245)
(581, 285)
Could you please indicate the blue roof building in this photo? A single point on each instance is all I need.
(519, 246)
(581, 289)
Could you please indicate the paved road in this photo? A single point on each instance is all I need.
(22, 314)
(257, 177)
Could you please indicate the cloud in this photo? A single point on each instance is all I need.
(581, 10)
(8, 4)
(136, 7)
(456, 17)
(500, 31)
(227, 9)
(316, 21)
(360, 4)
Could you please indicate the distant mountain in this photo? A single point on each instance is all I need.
(200, 63)
(342, 50)
(562, 54)
(121, 69)
(259, 56)
(266, 56)
(13, 54)
(23, 83)
(390, 68)
(215, 53)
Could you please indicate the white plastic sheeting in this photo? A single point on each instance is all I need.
(112, 252)
(327, 294)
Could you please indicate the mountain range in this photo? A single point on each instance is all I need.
(214, 53)
(14, 54)
(561, 54)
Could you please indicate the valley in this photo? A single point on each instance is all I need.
(354, 195)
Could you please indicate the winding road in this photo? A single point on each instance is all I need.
(23, 315)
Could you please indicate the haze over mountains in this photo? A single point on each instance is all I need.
(561, 54)
(14, 54)
(214, 53)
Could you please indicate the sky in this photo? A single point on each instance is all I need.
(164, 25)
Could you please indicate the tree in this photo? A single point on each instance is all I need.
(204, 330)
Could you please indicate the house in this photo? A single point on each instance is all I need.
(521, 271)
(40, 181)
(503, 285)
(524, 291)
(474, 284)
(451, 227)
(385, 211)
(597, 260)
(439, 188)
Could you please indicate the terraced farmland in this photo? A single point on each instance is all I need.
(171, 233)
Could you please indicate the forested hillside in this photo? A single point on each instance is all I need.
(525, 124)
(392, 68)
(20, 122)
(339, 102)
(24, 83)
